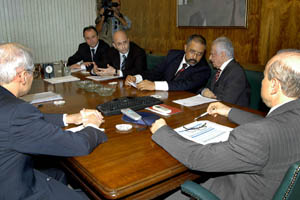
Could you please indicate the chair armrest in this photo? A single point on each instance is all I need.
(197, 191)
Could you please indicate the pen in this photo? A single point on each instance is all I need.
(202, 115)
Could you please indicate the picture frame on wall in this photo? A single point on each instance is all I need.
(212, 13)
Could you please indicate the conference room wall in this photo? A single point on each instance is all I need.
(272, 25)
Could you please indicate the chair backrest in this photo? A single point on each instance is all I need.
(289, 188)
(153, 60)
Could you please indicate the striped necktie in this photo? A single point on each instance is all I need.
(217, 76)
(93, 54)
(123, 62)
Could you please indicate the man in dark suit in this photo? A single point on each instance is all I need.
(26, 132)
(229, 83)
(258, 152)
(89, 52)
(124, 58)
(181, 70)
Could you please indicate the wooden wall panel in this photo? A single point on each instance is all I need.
(272, 25)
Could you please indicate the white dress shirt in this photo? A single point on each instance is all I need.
(163, 85)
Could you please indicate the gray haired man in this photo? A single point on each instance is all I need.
(229, 83)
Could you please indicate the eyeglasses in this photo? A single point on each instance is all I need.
(193, 52)
(196, 127)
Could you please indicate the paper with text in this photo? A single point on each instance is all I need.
(194, 101)
(103, 78)
(41, 97)
(62, 79)
(204, 132)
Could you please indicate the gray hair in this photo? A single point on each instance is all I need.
(287, 71)
(224, 44)
(12, 57)
(288, 50)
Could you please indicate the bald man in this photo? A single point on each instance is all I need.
(124, 58)
(260, 150)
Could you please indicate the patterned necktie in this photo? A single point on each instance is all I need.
(217, 75)
(184, 66)
(93, 54)
(123, 62)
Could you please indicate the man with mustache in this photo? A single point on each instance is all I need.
(181, 70)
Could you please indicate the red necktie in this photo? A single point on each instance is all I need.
(217, 75)
(184, 66)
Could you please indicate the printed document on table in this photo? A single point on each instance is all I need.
(41, 97)
(194, 101)
(61, 79)
(204, 132)
(103, 78)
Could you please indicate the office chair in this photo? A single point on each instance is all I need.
(289, 189)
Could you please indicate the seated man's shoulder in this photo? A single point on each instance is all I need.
(137, 48)
(236, 67)
(103, 44)
(175, 53)
(83, 45)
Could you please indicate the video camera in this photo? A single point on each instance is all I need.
(107, 5)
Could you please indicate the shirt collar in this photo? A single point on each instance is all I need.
(126, 54)
(183, 61)
(95, 47)
(224, 65)
(278, 105)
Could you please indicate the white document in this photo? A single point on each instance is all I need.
(103, 78)
(62, 79)
(76, 70)
(204, 132)
(194, 101)
(41, 97)
(133, 84)
(79, 128)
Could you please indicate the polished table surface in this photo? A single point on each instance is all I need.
(129, 165)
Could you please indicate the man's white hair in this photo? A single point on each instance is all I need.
(224, 44)
(12, 57)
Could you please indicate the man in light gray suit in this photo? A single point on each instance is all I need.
(260, 150)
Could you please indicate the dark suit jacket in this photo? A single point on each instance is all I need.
(232, 86)
(84, 54)
(24, 132)
(136, 61)
(191, 79)
(255, 158)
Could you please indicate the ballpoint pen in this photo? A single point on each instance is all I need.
(202, 115)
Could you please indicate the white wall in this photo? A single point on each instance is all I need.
(51, 28)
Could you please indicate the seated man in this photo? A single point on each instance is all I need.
(93, 50)
(26, 132)
(230, 83)
(258, 152)
(124, 58)
(180, 70)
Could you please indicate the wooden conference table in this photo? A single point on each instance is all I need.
(129, 165)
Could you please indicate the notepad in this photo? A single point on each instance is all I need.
(204, 132)
(41, 97)
(194, 101)
(103, 78)
(61, 79)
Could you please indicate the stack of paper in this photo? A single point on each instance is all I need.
(41, 97)
(62, 79)
(204, 132)
(194, 101)
(103, 78)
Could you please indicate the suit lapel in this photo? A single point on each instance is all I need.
(174, 66)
